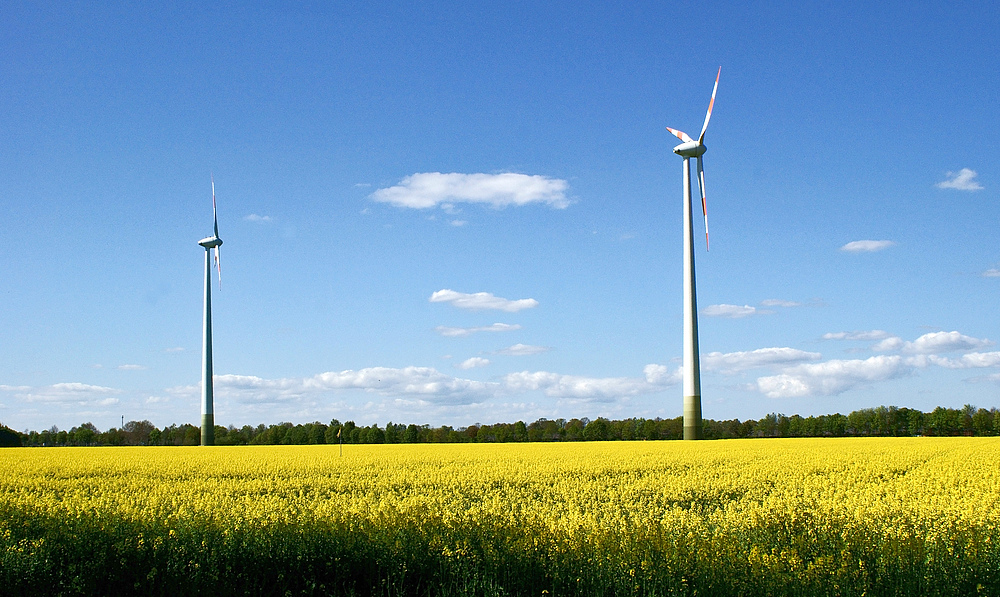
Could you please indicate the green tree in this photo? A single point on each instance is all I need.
(597, 430)
(9, 438)
(982, 422)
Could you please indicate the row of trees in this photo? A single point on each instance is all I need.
(881, 421)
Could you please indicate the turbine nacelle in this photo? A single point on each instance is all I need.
(211, 242)
(690, 149)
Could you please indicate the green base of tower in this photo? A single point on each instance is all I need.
(693, 427)
(208, 430)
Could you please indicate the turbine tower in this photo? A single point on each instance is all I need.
(207, 407)
(693, 427)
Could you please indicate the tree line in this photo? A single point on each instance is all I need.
(877, 422)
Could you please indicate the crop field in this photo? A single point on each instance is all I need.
(906, 516)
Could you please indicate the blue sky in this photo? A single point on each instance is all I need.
(446, 213)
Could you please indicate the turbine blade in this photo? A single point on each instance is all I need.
(704, 204)
(215, 215)
(218, 265)
(680, 135)
(711, 104)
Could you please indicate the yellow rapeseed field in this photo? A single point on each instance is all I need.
(784, 516)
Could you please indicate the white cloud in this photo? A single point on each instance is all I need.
(734, 362)
(518, 350)
(19, 389)
(451, 332)
(473, 362)
(779, 303)
(963, 180)
(130, 367)
(972, 360)
(591, 389)
(660, 375)
(429, 189)
(256, 218)
(174, 349)
(732, 311)
(66, 393)
(422, 382)
(459, 223)
(936, 342)
(866, 335)
(992, 273)
(482, 301)
(426, 385)
(832, 377)
(867, 246)
(890, 344)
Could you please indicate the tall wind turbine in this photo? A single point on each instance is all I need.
(207, 398)
(693, 428)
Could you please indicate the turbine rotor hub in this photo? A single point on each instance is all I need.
(210, 242)
(690, 149)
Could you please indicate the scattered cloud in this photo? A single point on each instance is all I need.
(451, 332)
(992, 273)
(890, 344)
(832, 377)
(779, 303)
(972, 360)
(65, 393)
(473, 363)
(174, 349)
(130, 367)
(429, 386)
(518, 350)
(459, 223)
(836, 376)
(733, 311)
(936, 342)
(660, 375)
(963, 180)
(257, 218)
(430, 189)
(866, 246)
(933, 343)
(591, 389)
(734, 362)
(481, 301)
(16, 389)
(866, 335)
(426, 383)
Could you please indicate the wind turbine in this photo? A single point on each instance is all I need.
(207, 398)
(693, 427)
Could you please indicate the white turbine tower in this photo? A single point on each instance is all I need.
(207, 398)
(693, 428)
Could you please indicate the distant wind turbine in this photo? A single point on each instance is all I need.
(693, 427)
(207, 398)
